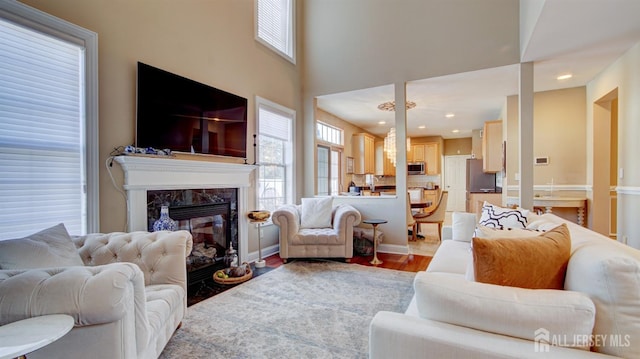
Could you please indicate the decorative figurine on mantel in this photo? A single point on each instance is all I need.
(259, 217)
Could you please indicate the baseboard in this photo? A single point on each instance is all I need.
(393, 248)
(267, 251)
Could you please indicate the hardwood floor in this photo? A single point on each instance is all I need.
(403, 262)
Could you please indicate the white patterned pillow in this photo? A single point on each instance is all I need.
(499, 217)
(316, 212)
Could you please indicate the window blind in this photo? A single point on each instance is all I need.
(42, 165)
(275, 24)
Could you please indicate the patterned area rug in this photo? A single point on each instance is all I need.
(303, 309)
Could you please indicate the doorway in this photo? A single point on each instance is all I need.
(455, 172)
(603, 207)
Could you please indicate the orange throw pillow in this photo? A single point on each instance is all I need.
(536, 262)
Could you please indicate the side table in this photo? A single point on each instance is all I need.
(259, 217)
(28, 335)
(374, 223)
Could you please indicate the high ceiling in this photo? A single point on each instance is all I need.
(577, 37)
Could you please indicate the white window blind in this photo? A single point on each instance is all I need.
(42, 133)
(275, 153)
(275, 25)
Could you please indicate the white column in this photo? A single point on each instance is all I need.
(526, 135)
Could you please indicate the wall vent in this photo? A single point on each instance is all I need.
(541, 161)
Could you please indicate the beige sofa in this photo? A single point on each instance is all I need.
(597, 315)
(333, 241)
(127, 299)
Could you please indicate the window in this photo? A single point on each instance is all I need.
(275, 154)
(329, 154)
(275, 26)
(328, 170)
(328, 133)
(48, 123)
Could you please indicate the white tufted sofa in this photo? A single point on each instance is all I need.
(331, 242)
(127, 300)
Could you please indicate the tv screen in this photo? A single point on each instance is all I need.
(180, 114)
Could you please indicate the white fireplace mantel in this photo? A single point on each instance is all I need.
(142, 174)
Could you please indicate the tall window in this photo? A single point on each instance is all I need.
(275, 154)
(275, 26)
(329, 159)
(48, 171)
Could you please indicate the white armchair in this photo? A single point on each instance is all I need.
(330, 242)
(127, 299)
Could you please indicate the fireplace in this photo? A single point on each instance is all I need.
(211, 217)
(201, 179)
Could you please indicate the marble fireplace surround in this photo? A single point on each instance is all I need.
(142, 174)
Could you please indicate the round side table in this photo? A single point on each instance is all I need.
(25, 336)
(374, 223)
(259, 218)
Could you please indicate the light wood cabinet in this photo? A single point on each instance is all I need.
(431, 195)
(384, 166)
(432, 158)
(363, 148)
(416, 153)
(492, 146)
(475, 201)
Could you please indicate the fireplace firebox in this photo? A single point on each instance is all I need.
(211, 217)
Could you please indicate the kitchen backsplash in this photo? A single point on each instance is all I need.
(422, 180)
(412, 180)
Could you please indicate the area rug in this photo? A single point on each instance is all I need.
(303, 309)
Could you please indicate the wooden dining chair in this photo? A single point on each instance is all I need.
(436, 216)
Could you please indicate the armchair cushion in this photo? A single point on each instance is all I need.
(51, 247)
(516, 312)
(316, 212)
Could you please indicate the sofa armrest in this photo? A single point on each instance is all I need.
(396, 335)
(288, 219)
(346, 217)
(160, 255)
(91, 295)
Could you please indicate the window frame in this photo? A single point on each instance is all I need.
(291, 34)
(40, 21)
(289, 158)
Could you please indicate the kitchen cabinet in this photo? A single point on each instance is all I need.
(432, 158)
(416, 153)
(475, 201)
(384, 166)
(492, 146)
(363, 150)
(429, 153)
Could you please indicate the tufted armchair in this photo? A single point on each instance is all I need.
(127, 299)
(335, 241)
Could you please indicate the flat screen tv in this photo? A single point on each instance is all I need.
(183, 115)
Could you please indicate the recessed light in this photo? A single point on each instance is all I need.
(455, 131)
(449, 115)
(564, 77)
(382, 122)
(422, 127)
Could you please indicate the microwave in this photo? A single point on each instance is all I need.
(416, 168)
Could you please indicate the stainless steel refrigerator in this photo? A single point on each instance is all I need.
(477, 180)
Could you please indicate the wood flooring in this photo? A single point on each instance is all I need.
(403, 262)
